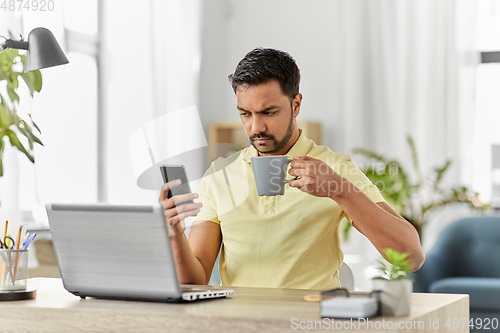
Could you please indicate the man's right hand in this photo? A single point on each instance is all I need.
(175, 212)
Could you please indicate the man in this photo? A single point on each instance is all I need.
(288, 241)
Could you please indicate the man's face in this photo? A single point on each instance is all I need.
(267, 117)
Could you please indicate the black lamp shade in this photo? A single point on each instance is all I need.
(43, 51)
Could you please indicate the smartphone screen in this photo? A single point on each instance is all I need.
(173, 172)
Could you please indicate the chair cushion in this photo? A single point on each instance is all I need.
(469, 245)
(484, 293)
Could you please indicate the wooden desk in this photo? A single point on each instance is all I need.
(248, 310)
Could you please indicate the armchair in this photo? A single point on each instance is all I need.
(466, 260)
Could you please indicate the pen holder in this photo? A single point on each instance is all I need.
(13, 270)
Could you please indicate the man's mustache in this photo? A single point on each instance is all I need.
(261, 136)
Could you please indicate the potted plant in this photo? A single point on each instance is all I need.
(12, 126)
(406, 196)
(395, 283)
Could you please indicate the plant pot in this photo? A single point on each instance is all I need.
(395, 298)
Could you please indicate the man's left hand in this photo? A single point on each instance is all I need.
(314, 177)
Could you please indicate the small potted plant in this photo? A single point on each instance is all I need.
(395, 283)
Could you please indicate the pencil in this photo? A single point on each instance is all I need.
(19, 237)
(6, 225)
(17, 253)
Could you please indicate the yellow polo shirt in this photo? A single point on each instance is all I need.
(284, 241)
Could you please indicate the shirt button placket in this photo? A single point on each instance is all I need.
(267, 205)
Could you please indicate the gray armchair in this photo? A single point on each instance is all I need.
(466, 260)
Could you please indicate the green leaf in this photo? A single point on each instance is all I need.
(8, 56)
(29, 79)
(13, 83)
(440, 173)
(415, 159)
(34, 124)
(35, 138)
(11, 114)
(397, 266)
(14, 117)
(26, 131)
(370, 154)
(27, 135)
(2, 146)
(33, 80)
(4, 118)
(14, 141)
(346, 229)
(38, 82)
(13, 95)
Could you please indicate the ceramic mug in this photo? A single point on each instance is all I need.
(269, 173)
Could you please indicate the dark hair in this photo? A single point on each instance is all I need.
(262, 65)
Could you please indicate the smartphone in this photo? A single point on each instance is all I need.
(173, 172)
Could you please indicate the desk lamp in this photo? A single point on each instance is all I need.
(42, 49)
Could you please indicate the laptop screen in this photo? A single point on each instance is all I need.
(113, 251)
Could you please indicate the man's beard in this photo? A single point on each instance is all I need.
(278, 145)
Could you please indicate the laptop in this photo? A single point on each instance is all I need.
(119, 252)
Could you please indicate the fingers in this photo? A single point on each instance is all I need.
(302, 162)
(181, 198)
(166, 187)
(181, 217)
(176, 223)
(175, 215)
(304, 158)
(307, 166)
(186, 209)
(174, 210)
(297, 172)
(176, 200)
(295, 183)
(301, 183)
(176, 229)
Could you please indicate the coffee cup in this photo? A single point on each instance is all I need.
(269, 173)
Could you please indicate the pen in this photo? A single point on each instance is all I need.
(27, 243)
(26, 237)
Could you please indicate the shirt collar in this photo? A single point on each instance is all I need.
(300, 148)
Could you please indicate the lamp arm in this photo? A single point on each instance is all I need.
(2, 46)
(14, 44)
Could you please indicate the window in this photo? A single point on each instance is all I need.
(66, 113)
(487, 100)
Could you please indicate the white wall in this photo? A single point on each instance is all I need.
(127, 66)
(233, 28)
(372, 73)
(304, 29)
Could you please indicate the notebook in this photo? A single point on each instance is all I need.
(119, 252)
(349, 307)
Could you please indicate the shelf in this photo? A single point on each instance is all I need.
(227, 137)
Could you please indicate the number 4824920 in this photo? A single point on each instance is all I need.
(27, 5)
